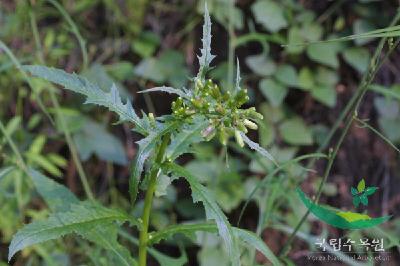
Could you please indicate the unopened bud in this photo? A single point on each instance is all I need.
(250, 124)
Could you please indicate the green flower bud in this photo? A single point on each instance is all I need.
(241, 97)
(250, 124)
(199, 85)
(241, 127)
(215, 92)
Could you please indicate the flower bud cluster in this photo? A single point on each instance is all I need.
(221, 108)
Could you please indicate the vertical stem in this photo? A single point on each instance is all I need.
(155, 170)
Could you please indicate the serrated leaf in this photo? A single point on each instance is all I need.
(361, 186)
(168, 90)
(57, 197)
(238, 79)
(85, 217)
(146, 146)
(255, 146)
(190, 229)
(213, 211)
(60, 199)
(187, 136)
(93, 93)
(205, 57)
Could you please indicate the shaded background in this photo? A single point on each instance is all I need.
(140, 44)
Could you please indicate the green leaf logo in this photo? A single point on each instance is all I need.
(360, 195)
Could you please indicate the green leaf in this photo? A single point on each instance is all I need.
(43, 163)
(295, 132)
(306, 79)
(205, 57)
(286, 74)
(188, 135)
(358, 58)
(166, 89)
(261, 64)
(146, 43)
(201, 193)
(393, 92)
(57, 197)
(238, 79)
(294, 37)
(370, 190)
(361, 186)
(93, 93)
(5, 171)
(159, 69)
(98, 75)
(146, 146)
(60, 199)
(85, 217)
(362, 27)
(163, 182)
(269, 14)
(273, 91)
(190, 229)
(93, 138)
(353, 191)
(325, 95)
(324, 54)
(255, 146)
(165, 260)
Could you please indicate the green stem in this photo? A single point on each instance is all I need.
(144, 233)
(379, 134)
(20, 160)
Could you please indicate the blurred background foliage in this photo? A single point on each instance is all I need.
(138, 44)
